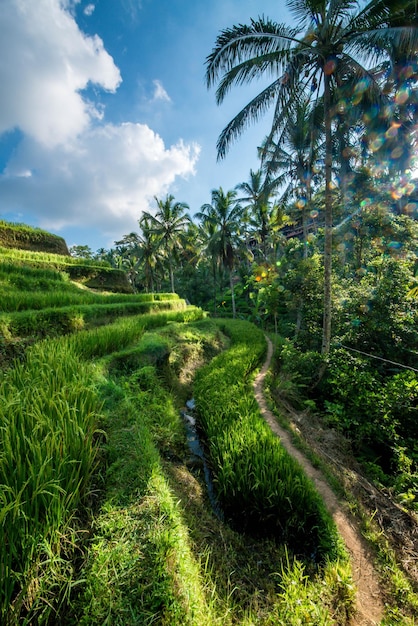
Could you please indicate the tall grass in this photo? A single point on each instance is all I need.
(50, 410)
(141, 568)
(66, 320)
(15, 254)
(53, 299)
(28, 288)
(48, 413)
(260, 487)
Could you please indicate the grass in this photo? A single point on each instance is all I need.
(153, 554)
(71, 319)
(91, 273)
(29, 288)
(260, 487)
(50, 415)
(10, 255)
(141, 568)
(158, 553)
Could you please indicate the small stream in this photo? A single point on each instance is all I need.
(198, 455)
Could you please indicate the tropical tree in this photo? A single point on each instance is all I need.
(256, 200)
(222, 221)
(207, 228)
(390, 131)
(81, 252)
(328, 47)
(291, 159)
(167, 224)
(148, 255)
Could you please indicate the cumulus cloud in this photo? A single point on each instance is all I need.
(104, 180)
(45, 61)
(72, 168)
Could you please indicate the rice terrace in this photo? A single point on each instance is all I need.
(214, 423)
(105, 510)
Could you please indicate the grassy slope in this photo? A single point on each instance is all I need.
(159, 553)
(156, 552)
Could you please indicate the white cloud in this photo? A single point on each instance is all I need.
(159, 92)
(72, 168)
(45, 60)
(104, 180)
(89, 9)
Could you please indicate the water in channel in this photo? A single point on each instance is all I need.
(198, 454)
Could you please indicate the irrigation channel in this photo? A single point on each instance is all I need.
(198, 456)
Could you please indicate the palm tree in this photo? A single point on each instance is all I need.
(292, 157)
(327, 48)
(399, 71)
(148, 254)
(222, 219)
(207, 229)
(167, 224)
(258, 191)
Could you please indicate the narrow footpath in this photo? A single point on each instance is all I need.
(369, 602)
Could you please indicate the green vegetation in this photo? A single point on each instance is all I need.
(114, 429)
(260, 487)
(95, 274)
(140, 565)
(50, 415)
(40, 302)
(26, 237)
(143, 561)
(104, 512)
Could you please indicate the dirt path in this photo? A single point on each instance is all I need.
(369, 602)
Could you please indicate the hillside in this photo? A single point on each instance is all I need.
(25, 237)
(27, 247)
(140, 503)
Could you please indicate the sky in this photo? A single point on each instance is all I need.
(104, 106)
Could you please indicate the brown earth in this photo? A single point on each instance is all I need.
(398, 526)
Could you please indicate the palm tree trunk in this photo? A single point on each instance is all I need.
(326, 327)
(214, 288)
(231, 284)
(172, 278)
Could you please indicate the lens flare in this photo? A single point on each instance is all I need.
(402, 96)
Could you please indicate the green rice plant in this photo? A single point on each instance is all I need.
(140, 567)
(17, 254)
(260, 487)
(64, 320)
(26, 288)
(49, 414)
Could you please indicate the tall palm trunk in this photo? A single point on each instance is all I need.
(171, 277)
(215, 291)
(231, 284)
(326, 328)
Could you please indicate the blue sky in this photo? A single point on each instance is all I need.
(104, 105)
